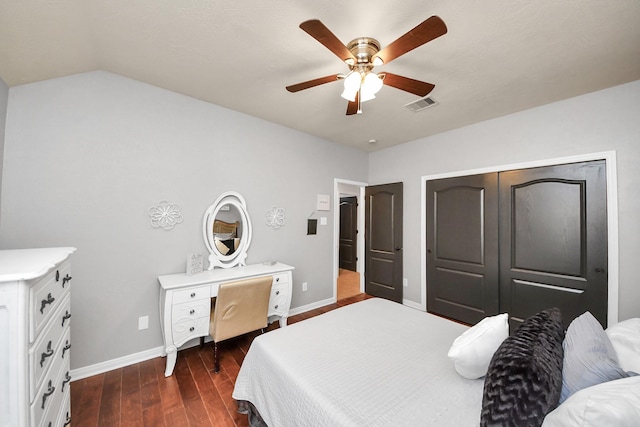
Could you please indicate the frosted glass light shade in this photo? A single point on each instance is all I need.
(351, 86)
(370, 86)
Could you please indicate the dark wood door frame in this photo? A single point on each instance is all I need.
(612, 216)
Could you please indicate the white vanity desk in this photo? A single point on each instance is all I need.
(185, 301)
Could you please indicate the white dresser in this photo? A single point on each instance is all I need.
(185, 301)
(35, 312)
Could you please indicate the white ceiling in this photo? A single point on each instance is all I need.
(498, 57)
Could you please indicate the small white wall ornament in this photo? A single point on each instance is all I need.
(275, 217)
(165, 215)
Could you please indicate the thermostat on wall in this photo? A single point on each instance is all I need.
(324, 202)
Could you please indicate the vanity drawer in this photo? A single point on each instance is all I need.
(186, 329)
(278, 299)
(46, 297)
(191, 310)
(191, 294)
(280, 278)
(48, 346)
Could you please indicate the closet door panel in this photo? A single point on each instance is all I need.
(462, 247)
(553, 238)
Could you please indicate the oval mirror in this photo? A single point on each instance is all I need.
(226, 229)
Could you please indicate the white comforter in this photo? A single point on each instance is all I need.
(373, 363)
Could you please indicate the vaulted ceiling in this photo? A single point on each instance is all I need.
(498, 56)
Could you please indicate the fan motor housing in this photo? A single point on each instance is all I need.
(363, 49)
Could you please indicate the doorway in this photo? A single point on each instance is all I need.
(349, 275)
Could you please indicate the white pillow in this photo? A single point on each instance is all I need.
(625, 338)
(472, 351)
(614, 403)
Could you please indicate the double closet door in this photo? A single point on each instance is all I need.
(519, 242)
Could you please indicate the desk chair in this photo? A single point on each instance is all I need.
(241, 307)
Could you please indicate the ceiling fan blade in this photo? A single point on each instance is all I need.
(408, 85)
(320, 32)
(312, 83)
(428, 30)
(352, 106)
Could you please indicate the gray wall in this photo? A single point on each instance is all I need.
(87, 155)
(4, 99)
(601, 121)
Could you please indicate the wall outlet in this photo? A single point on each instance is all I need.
(304, 286)
(143, 323)
(405, 282)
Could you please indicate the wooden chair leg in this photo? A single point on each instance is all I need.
(201, 342)
(216, 358)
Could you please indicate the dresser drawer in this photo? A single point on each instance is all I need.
(191, 310)
(64, 418)
(46, 405)
(191, 294)
(187, 329)
(46, 296)
(49, 345)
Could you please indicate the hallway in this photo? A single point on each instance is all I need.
(348, 283)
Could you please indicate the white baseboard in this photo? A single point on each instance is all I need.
(110, 365)
(309, 307)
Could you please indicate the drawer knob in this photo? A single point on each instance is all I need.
(66, 347)
(66, 380)
(66, 280)
(44, 303)
(66, 317)
(277, 292)
(277, 279)
(191, 329)
(57, 275)
(66, 423)
(193, 294)
(192, 311)
(276, 307)
(49, 392)
(46, 354)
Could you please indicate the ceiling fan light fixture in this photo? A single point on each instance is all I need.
(377, 61)
(371, 84)
(351, 86)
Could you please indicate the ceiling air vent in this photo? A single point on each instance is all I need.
(421, 104)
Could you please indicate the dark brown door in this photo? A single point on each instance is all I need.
(462, 247)
(348, 232)
(553, 244)
(383, 241)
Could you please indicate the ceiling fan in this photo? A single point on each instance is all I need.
(363, 54)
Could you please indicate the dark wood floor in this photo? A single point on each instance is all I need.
(140, 395)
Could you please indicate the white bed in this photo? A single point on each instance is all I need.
(378, 363)
(374, 363)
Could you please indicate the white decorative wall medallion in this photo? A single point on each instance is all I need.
(165, 215)
(275, 217)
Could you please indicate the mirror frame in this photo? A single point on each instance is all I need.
(238, 257)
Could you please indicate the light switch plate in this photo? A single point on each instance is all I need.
(323, 220)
